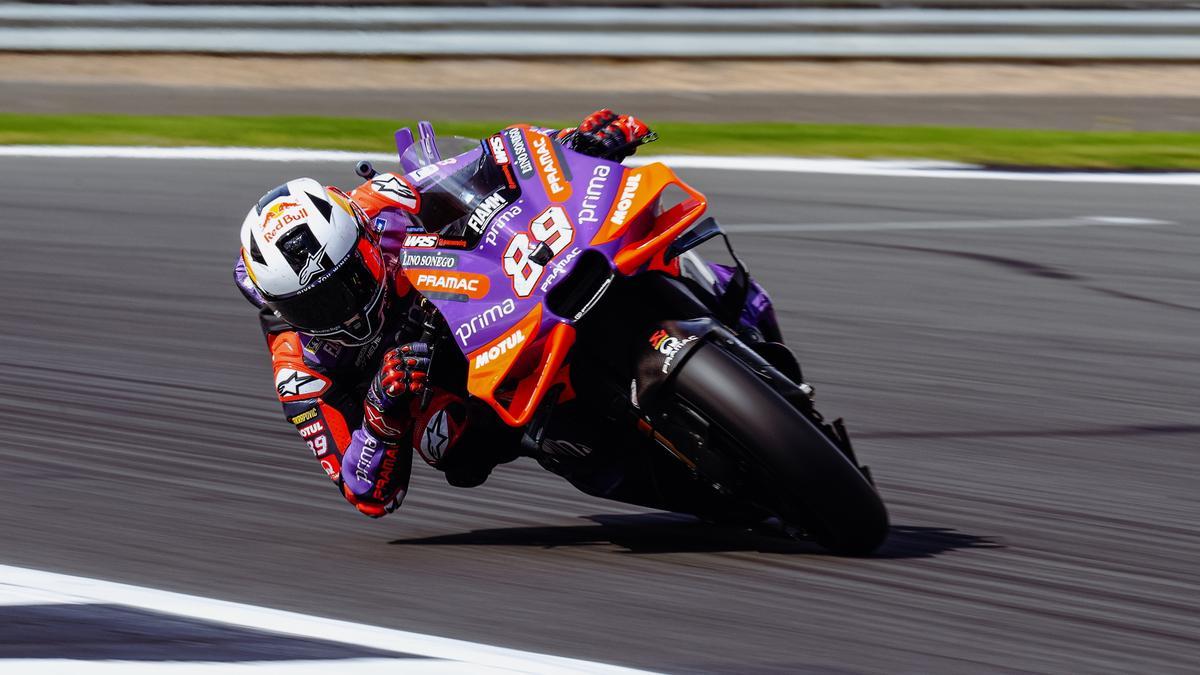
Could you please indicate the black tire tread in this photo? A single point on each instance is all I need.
(817, 487)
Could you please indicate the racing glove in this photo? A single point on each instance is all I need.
(377, 465)
(607, 135)
(401, 378)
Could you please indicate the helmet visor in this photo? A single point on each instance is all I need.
(347, 292)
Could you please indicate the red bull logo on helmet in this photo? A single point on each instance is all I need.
(279, 216)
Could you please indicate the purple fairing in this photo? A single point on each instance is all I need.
(588, 189)
(592, 187)
(369, 461)
(392, 224)
(759, 313)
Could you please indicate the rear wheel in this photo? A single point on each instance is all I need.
(794, 468)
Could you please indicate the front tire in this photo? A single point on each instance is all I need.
(801, 474)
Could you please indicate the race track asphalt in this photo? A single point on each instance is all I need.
(1026, 396)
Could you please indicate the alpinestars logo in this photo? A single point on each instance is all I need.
(436, 437)
(379, 423)
(397, 190)
(393, 187)
(295, 384)
(312, 267)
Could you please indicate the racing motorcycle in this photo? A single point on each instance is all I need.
(562, 290)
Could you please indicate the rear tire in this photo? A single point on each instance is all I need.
(803, 476)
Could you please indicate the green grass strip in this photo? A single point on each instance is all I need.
(1044, 148)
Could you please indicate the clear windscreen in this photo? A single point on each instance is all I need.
(417, 156)
(463, 194)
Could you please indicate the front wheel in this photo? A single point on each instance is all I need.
(798, 471)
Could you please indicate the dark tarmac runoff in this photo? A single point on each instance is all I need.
(1022, 381)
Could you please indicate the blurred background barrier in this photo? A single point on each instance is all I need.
(742, 4)
(773, 30)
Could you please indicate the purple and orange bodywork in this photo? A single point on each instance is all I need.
(492, 295)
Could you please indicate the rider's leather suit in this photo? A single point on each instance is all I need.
(322, 384)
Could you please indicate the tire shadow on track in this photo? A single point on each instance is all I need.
(649, 533)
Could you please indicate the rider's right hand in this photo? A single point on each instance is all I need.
(401, 377)
(607, 135)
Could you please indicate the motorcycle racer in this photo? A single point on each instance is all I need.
(343, 328)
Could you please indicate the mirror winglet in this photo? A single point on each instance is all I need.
(698, 234)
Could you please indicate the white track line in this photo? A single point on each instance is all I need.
(849, 167)
(228, 154)
(1083, 221)
(911, 169)
(16, 581)
(323, 667)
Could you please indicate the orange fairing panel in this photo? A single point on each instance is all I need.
(489, 364)
(640, 189)
(526, 398)
(494, 363)
(667, 226)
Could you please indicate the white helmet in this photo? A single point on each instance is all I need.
(309, 252)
